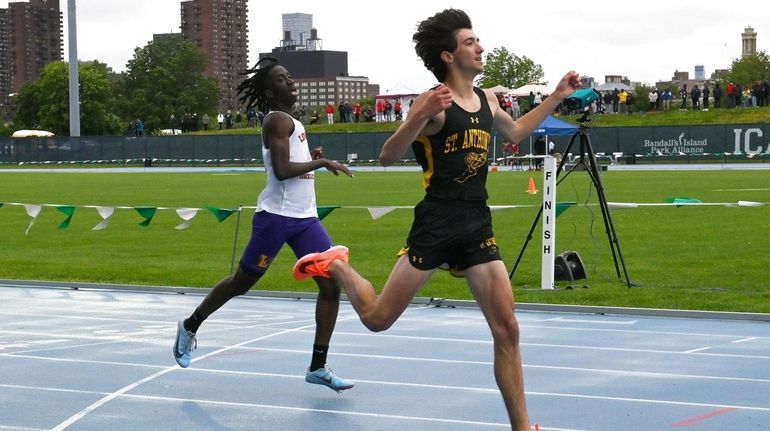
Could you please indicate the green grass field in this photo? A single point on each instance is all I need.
(694, 257)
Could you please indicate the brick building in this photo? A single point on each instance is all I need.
(30, 37)
(220, 29)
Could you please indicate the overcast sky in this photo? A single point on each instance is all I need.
(646, 41)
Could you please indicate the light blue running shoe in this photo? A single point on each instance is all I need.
(326, 377)
(184, 345)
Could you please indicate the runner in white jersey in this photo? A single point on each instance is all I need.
(286, 214)
(292, 197)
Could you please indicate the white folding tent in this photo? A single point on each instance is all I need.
(524, 90)
(499, 89)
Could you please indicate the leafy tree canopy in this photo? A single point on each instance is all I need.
(44, 102)
(747, 71)
(509, 70)
(167, 76)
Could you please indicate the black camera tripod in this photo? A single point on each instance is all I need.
(586, 159)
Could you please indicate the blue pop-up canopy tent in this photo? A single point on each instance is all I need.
(553, 126)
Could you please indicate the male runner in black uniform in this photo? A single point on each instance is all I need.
(453, 224)
(450, 129)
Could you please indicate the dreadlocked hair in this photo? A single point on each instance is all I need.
(437, 34)
(252, 89)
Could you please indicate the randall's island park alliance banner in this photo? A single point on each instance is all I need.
(749, 139)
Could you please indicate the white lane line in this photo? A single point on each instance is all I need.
(649, 374)
(694, 352)
(400, 417)
(493, 389)
(744, 340)
(50, 349)
(524, 325)
(699, 349)
(312, 410)
(14, 428)
(649, 401)
(665, 352)
(618, 372)
(592, 321)
(262, 406)
(122, 391)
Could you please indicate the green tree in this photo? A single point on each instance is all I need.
(44, 102)
(28, 103)
(509, 70)
(98, 95)
(167, 77)
(5, 129)
(748, 70)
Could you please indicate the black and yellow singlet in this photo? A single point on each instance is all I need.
(454, 160)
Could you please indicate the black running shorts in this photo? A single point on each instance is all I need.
(456, 233)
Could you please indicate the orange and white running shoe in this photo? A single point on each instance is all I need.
(317, 264)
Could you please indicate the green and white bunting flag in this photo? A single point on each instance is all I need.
(106, 214)
(325, 211)
(376, 212)
(34, 212)
(186, 214)
(221, 213)
(148, 213)
(69, 211)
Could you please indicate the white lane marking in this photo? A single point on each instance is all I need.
(24, 344)
(592, 321)
(421, 419)
(83, 413)
(14, 428)
(266, 406)
(699, 349)
(649, 401)
(406, 358)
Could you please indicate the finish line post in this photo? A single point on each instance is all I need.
(549, 224)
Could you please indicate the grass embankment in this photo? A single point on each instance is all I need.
(669, 118)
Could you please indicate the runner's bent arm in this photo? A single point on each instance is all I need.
(276, 130)
(517, 131)
(423, 119)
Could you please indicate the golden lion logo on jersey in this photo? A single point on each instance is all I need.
(473, 161)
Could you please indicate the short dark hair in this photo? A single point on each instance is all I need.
(252, 89)
(435, 35)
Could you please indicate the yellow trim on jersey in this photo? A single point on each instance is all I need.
(429, 159)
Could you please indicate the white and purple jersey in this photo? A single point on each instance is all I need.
(292, 197)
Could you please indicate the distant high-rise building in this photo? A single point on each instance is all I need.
(617, 79)
(322, 76)
(30, 37)
(5, 69)
(700, 72)
(681, 76)
(220, 29)
(297, 30)
(749, 37)
(5, 59)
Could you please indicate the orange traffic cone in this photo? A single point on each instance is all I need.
(531, 189)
